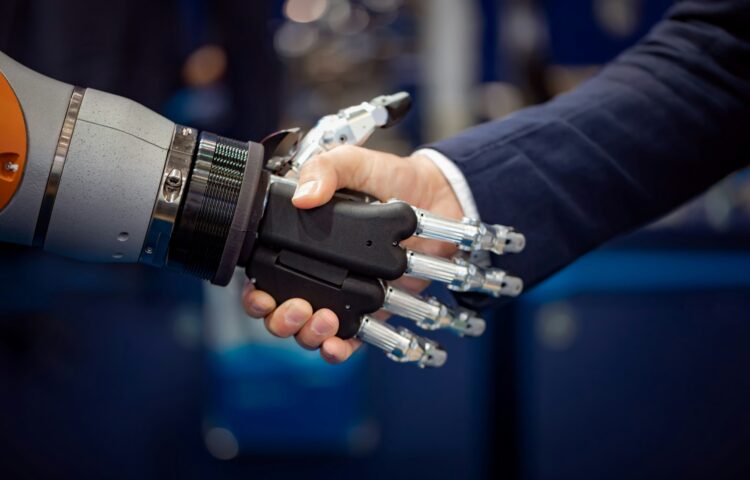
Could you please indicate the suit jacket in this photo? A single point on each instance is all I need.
(660, 124)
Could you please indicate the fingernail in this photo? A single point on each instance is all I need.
(306, 189)
(327, 355)
(323, 326)
(294, 318)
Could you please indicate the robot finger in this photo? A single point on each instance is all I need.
(463, 276)
(469, 234)
(429, 314)
(400, 344)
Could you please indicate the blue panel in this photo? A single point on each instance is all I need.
(649, 380)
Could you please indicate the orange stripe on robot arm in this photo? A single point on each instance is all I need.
(13, 143)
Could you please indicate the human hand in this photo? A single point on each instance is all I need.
(415, 180)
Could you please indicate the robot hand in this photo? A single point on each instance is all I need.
(97, 177)
(341, 255)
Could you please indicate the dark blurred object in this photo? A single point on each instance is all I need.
(138, 49)
(131, 48)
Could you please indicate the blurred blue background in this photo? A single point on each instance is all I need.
(628, 364)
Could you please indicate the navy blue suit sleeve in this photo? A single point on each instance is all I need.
(658, 125)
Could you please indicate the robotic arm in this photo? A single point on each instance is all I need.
(97, 177)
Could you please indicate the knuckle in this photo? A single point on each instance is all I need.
(254, 310)
(248, 306)
(318, 164)
(305, 342)
(269, 326)
(347, 150)
(275, 324)
(325, 323)
(401, 169)
(300, 307)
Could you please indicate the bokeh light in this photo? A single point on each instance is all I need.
(305, 11)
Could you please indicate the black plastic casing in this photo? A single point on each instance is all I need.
(361, 237)
(332, 256)
(284, 274)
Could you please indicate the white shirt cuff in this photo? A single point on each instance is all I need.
(456, 180)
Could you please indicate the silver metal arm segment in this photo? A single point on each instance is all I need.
(400, 344)
(469, 234)
(429, 314)
(462, 276)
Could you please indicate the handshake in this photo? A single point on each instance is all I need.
(351, 235)
(333, 237)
